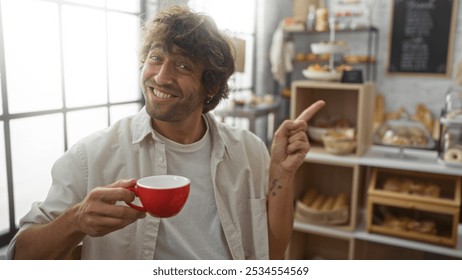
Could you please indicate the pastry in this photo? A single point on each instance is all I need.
(392, 185)
(432, 190)
(453, 155)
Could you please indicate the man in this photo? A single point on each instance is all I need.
(240, 204)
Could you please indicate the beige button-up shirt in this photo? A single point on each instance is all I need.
(128, 149)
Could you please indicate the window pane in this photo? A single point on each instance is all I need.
(124, 5)
(96, 3)
(32, 55)
(121, 111)
(123, 37)
(1, 94)
(237, 15)
(244, 79)
(36, 143)
(84, 50)
(83, 123)
(4, 210)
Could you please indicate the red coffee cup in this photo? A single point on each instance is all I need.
(161, 195)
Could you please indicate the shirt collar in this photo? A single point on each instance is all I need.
(219, 147)
(142, 127)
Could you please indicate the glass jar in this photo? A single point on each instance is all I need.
(450, 146)
(450, 149)
(453, 104)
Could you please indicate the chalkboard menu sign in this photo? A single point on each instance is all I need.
(422, 33)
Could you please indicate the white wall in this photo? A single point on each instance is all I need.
(399, 90)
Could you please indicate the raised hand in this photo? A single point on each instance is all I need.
(290, 143)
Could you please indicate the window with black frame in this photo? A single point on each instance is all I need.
(68, 68)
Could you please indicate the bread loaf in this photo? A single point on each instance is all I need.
(309, 196)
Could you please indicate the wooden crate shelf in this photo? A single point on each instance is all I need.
(353, 103)
(405, 214)
(345, 181)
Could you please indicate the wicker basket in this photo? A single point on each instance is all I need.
(339, 141)
(306, 214)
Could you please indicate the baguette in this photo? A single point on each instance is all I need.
(317, 203)
(341, 201)
(328, 203)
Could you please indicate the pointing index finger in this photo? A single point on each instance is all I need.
(310, 111)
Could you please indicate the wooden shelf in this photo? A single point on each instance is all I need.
(306, 32)
(350, 174)
(351, 103)
(361, 234)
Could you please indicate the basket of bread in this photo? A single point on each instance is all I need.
(340, 141)
(318, 208)
(407, 224)
(321, 125)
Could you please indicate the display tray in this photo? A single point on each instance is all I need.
(430, 147)
(322, 75)
(404, 133)
(435, 239)
(323, 48)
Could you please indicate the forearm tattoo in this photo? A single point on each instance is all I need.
(274, 187)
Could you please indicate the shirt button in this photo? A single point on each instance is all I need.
(161, 159)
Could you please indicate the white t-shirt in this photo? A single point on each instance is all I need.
(196, 232)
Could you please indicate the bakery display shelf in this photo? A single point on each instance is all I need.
(371, 40)
(415, 187)
(354, 104)
(318, 154)
(322, 75)
(450, 164)
(387, 157)
(324, 60)
(455, 252)
(407, 219)
(413, 160)
(332, 231)
(349, 103)
(312, 32)
(448, 121)
(361, 234)
(335, 47)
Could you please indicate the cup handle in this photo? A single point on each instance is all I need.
(139, 208)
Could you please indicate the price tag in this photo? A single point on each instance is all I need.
(352, 76)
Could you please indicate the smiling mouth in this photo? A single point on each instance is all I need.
(160, 94)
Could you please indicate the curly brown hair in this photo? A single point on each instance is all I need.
(199, 38)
